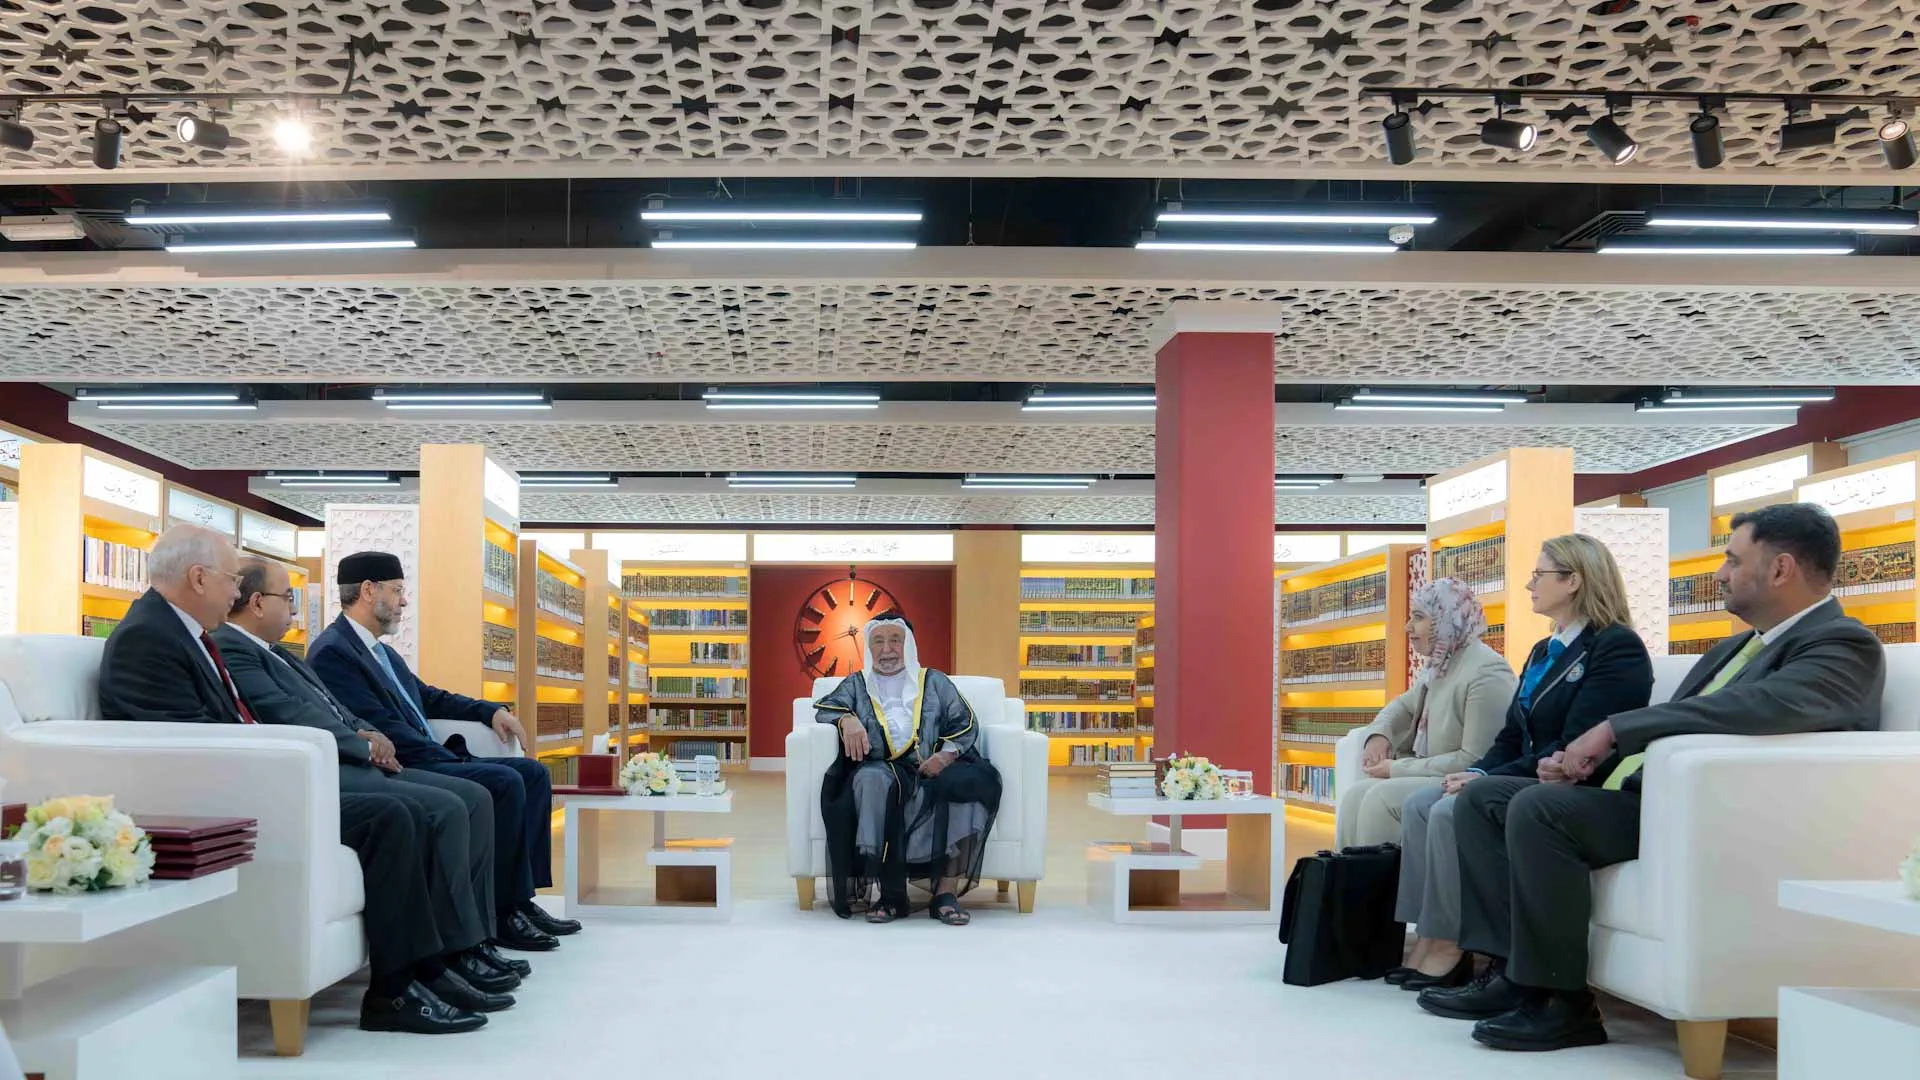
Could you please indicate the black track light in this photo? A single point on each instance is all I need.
(1398, 128)
(1508, 134)
(1611, 139)
(15, 135)
(1807, 134)
(106, 142)
(203, 133)
(1709, 147)
(1896, 142)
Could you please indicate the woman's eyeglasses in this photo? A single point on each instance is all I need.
(1538, 574)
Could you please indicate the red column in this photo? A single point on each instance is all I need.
(1213, 561)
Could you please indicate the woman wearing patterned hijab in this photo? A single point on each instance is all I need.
(1441, 725)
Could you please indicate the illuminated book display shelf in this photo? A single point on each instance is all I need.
(1478, 533)
(1081, 632)
(1875, 504)
(695, 617)
(550, 652)
(1697, 617)
(1342, 657)
(86, 523)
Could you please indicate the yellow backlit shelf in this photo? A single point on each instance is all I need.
(1331, 626)
(718, 733)
(103, 592)
(1110, 671)
(1334, 687)
(1695, 618)
(697, 701)
(730, 632)
(1103, 735)
(1089, 635)
(492, 596)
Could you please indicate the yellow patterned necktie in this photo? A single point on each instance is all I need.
(1632, 762)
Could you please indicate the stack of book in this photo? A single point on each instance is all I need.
(191, 847)
(1128, 780)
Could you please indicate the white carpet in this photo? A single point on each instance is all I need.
(778, 993)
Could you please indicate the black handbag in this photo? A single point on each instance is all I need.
(1336, 919)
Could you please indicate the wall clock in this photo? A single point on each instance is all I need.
(826, 632)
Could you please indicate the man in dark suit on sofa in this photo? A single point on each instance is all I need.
(1527, 846)
(279, 688)
(374, 683)
(161, 664)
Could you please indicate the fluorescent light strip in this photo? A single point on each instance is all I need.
(964, 486)
(474, 406)
(790, 487)
(159, 396)
(1305, 479)
(156, 407)
(1303, 247)
(405, 396)
(547, 485)
(1811, 396)
(780, 215)
(1092, 399)
(329, 477)
(784, 245)
(1297, 487)
(264, 217)
(1729, 249)
(775, 478)
(195, 247)
(567, 478)
(1058, 481)
(1441, 398)
(815, 408)
(1418, 217)
(1360, 406)
(739, 395)
(1674, 407)
(1676, 221)
(339, 483)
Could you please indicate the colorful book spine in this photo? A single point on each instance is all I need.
(1085, 690)
(683, 587)
(113, 566)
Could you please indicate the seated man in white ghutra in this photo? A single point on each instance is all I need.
(910, 798)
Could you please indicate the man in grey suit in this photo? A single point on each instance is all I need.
(279, 688)
(1527, 846)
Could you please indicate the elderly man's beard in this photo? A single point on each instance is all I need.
(890, 667)
(386, 615)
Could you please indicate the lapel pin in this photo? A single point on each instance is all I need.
(1578, 669)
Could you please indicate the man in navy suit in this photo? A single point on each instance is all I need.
(374, 683)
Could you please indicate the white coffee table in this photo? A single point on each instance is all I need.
(1132, 882)
(1829, 1032)
(692, 878)
(169, 1023)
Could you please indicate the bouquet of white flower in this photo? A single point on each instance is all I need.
(649, 773)
(80, 843)
(1193, 778)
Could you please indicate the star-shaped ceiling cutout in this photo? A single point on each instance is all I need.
(1493, 41)
(988, 106)
(1170, 36)
(1332, 41)
(838, 102)
(409, 110)
(700, 105)
(677, 40)
(364, 44)
(1279, 109)
(1136, 104)
(1012, 40)
(524, 42)
(1567, 112)
(551, 105)
(1799, 51)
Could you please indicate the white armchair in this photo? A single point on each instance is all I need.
(293, 926)
(1017, 849)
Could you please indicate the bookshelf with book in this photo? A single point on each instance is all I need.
(466, 605)
(1875, 503)
(1762, 481)
(86, 523)
(1082, 665)
(696, 675)
(1476, 533)
(1341, 655)
(271, 538)
(552, 646)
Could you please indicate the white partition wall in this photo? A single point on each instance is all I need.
(1638, 540)
(9, 564)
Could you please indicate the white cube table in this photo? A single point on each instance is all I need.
(1132, 882)
(692, 878)
(1839, 1032)
(168, 1023)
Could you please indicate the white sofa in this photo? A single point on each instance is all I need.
(1692, 929)
(1017, 849)
(293, 926)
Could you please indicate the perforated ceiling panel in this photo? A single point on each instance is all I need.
(956, 509)
(905, 330)
(1361, 447)
(707, 84)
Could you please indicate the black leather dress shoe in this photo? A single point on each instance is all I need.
(482, 975)
(1399, 975)
(501, 960)
(1488, 994)
(456, 991)
(1553, 1020)
(550, 924)
(518, 933)
(1458, 975)
(416, 1011)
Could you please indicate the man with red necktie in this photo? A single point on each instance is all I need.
(162, 664)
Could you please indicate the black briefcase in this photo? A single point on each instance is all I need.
(1337, 918)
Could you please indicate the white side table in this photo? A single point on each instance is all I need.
(1140, 883)
(1838, 1032)
(168, 1023)
(692, 878)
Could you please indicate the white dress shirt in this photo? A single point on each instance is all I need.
(366, 636)
(197, 632)
(257, 640)
(1780, 628)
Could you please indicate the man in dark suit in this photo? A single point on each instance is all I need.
(374, 683)
(1527, 846)
(279, 688)
(161, 664)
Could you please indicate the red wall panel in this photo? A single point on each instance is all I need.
(775, 674)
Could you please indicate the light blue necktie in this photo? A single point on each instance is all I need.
(1530, 681)
(419, 718)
